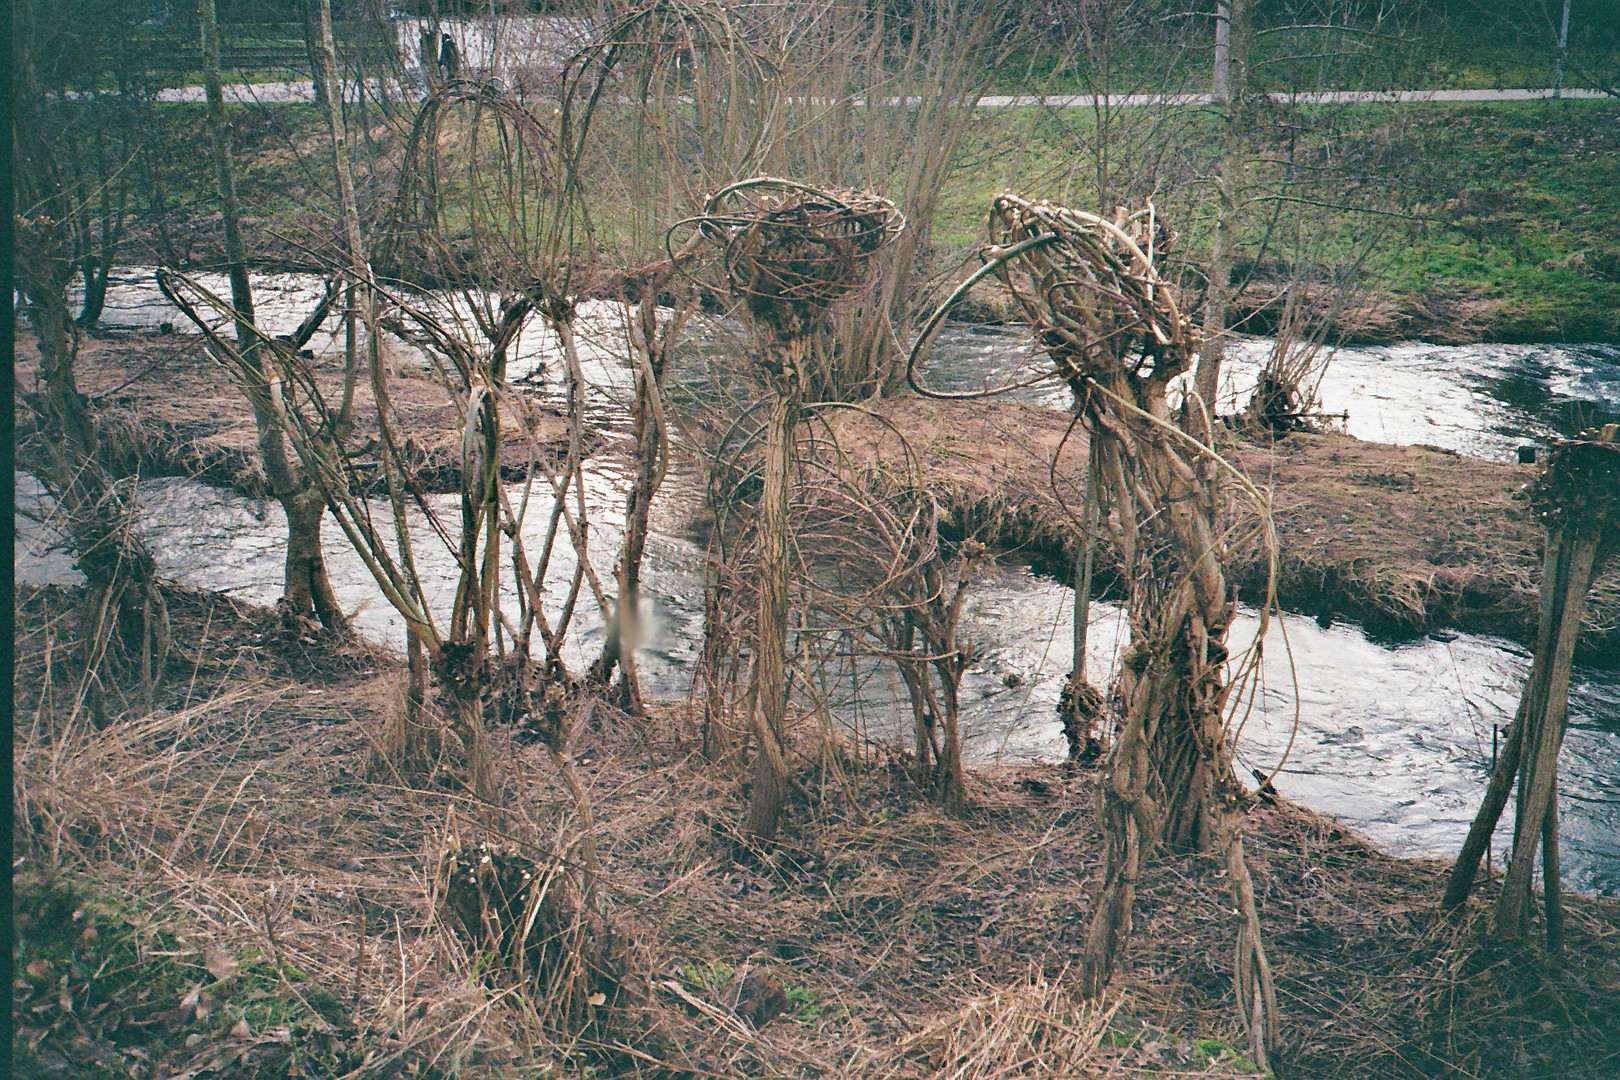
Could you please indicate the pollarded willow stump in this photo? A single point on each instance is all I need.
(1577, 498)
(791, 254)
(535, 921)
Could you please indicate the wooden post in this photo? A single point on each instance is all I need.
(1578, 498)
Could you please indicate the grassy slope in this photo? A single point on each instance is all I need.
(1507, 221)
(1501, 220)
(1524, 211)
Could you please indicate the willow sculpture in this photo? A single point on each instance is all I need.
(1092, 293)
(790, 253)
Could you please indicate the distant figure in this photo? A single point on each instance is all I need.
(449, 58)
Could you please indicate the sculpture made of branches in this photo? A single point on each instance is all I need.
(790, 253)
(1114, 333)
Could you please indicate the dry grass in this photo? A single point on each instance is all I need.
(252, 819)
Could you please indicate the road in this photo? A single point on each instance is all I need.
(295, 92)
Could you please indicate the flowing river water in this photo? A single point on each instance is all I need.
(1394, 738)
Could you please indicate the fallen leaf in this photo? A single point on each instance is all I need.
(597, 998)
(241, 1030)
(220, 964)
(39, 969)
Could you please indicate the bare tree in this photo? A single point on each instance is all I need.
(124, 617)
(306, 588)
(700, 109)
(789, 253)
(883, 98)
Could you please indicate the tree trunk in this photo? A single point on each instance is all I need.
(97, 267)
(1461, 881)
(1552, 888)
(1212, 349)
(307, 586)
(1231, 83)
(952, 785)
(312, 50)
(769, 793)
(649, 435)
(1544, 732)
(1169, 777)
(306, 591)
(1080, 703)
(225, 180)
(1577, 497)
(124, 618)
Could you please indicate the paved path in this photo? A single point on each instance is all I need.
(1323, 97)
(286, 93)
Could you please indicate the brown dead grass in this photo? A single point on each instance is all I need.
(911, 944)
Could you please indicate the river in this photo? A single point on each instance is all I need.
(1393, 738)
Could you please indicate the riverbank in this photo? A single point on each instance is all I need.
(166, 408)
(1497, 220)
(261, 885)
(1403, 539)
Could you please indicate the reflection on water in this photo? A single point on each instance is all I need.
(1395, 741)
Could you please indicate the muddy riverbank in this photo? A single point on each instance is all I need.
(1403, 539)
(167, 409)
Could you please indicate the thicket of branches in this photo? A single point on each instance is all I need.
(637, 168)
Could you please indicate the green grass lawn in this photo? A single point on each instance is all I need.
(1174, 54)
(1523, 206)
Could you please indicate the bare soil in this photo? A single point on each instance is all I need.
(250, 837)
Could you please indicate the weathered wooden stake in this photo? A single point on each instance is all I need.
(1578, 497)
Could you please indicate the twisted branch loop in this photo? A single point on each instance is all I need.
(1090, 289)
(792, 252)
